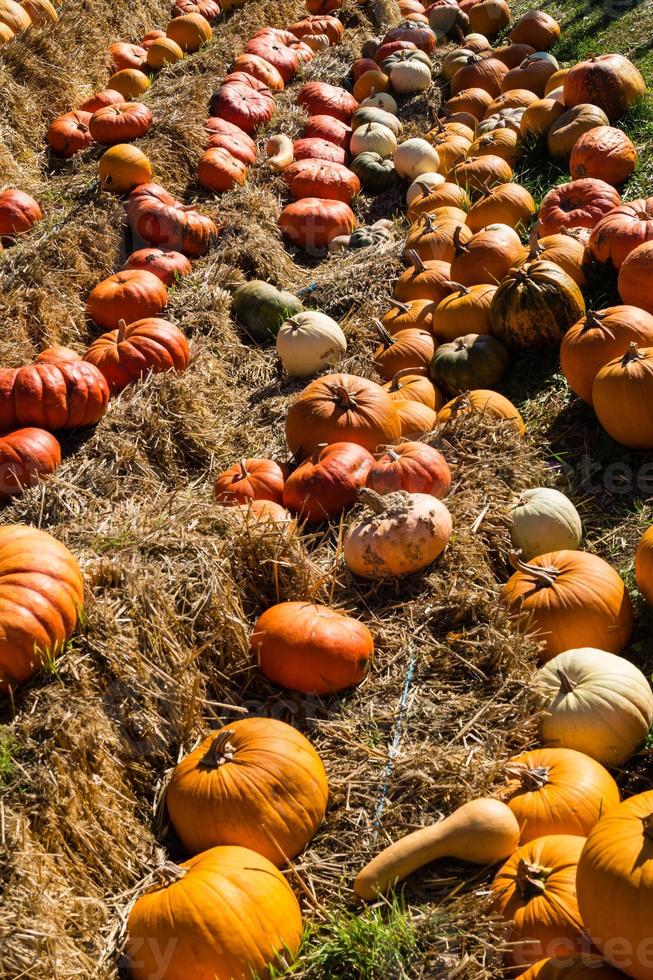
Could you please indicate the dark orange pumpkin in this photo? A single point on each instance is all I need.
(166, 266)
(327, 482)
(157, 218)
(149, 346)
(219, 170)
(321, 179)
(18, 213)
(129, 295)
(70, 134)
(251, 479)
(312, 222)
(58, 391)
(26, 456)
(605, 153)
(615, 236)
(580, 203)
(120, 122)
(409, 349)
(243, 106)
(413, 467)
(322, 99)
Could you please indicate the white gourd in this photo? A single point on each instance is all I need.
(374, 138)
(544, 520)
(594, 702)
(410, 77)
(382, 100)
(308, 342)
(414, 157)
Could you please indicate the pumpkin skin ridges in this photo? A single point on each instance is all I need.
(621, 397)
(72, 393)
(212, 805)
(617, 234)
(413, 467)
(557, 791)
(149, 346)
(578, 966)
(227, 936)
(325, 484)
(251, 479)
(26, 455)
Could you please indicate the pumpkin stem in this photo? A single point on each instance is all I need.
(545, 576)
(375, 501)
(460, 343)
(531, 779)
(531, 879)
(647, 825)
(416, 260)
(457, 287)
(394, 456)
(632, 354)
(404, 307)
(459, 248)
(122, 327)
(396, 378)
(386, 339)
(243, 469)
(429, 222)
(593, 319)
(343, 398)
(220, 751)
(424, 187)
(567, 686)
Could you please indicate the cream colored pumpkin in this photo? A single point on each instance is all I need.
(280, 151)
(417, 189)
(317, 42)
(409, 77)
(594, 702)
(414, 157)
(373, 138)
(406, 532)
(308, 342)
(544, 520)
(382, 100)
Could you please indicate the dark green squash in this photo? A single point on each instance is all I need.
(376, 173)
(535, 305)
(373, 114)
(261, 308)
(469, 362)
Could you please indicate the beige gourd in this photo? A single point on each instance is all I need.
(409, 77)
(483, 831)
(308, 342)
(414, 157)
(544, 520)
(381, 100)
(317, 42)
(280, 151)
(375, 138)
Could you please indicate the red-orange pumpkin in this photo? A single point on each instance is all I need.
(580, 203)
(312, 222)
(327, 127)
(56, 392)
(130, 295)
(326, 483)
(615, 236)
(275, 52)
(120, 122)
(605, 153)
(166, 266)
(157, 218)
(243, 106)
(310, 148)
(150, 346)
(321, 179)
(18, 213)
(322, 99)
(69, 134)
(413, 467)
(219, 171)
(609, 81)
(251, 479)
(26, 455)
(99, 100)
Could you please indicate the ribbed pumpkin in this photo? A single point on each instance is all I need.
(621, 396)
(466, 309)
(615, 892)
(577, 966)
(125, 55)
(505, 204)
(535, 890)
(594, 702)
(443, 196)
(534, 305)
(615, 236)
(190, 32)
(532, 74)
(605, 153)
(570, 599)
(501, 142)
(609, 81)
(472, 100)
(487, 256)
(251, 479)
(321, 178)
(598, 338)
(69, 134)
(26, 456)
(58, 391)
(512, 55)
(341, 408)
(311, 648)
(515, 98)
(544, 520)
(120, 123)
(41, 12)
(313, 222)
(255, 783)
(41, 597)
(150, 346)
(157, 218)
(578, 204)
(130, 82)
(416, 419)
(479, 72)
(130, 295)
(634, 277)
(564, 250)
(479, 173)
(408, 349)
(251, 922)
(539, 117)
(482, 402)
(416, 313)
(570, 126)
(644, 565)
(123, 167)
(557, 791)
(431, 238)
(537, 28)
(413, 467)
(424, 280)
(469, 362)
(14, 16)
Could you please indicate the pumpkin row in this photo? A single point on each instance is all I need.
(18, 17)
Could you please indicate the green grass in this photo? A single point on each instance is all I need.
(8, 749)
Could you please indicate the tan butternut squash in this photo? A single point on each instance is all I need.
(482, 831)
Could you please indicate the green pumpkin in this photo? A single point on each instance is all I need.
(399, 57)
(376, 173)
(468, 363)
(261, 308)
(372, 114)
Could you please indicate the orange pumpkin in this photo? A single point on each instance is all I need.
(416, 419)
(479, 173)
(251, 479)
(532, 74)
(312, 222)
(413, 467)
(472, 100)
(190, 32)
(121, 122)
(480, 72)
(579, 966)
(535, 891)
(621, 394)
(123, 167)
(149, 346)
(26, 456)
(557, 791)
(504, 204)
(58, 391)
(163, 52)
(634, 282)
(568, 600)
(605, 153)
(256, 783)
(539, 117)
(408, 349)
(129, 295)
(621, 230)
(487, 17)
(464, 311)
(429, 280)
(564, 250)
(487, 256)
(219, 170)
(326, 483)
(70, 134)
(415, 314)
(414, 386)
(311, 648)
(580, 203)
(444, 196)
(431, 238)
(537, 28)
(130, 82)
(609, 81)
(482, 402)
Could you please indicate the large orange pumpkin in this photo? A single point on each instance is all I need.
(536, 28)
(480, 72)
(120, 122)
(622, 230)
(535, 890)
(341, 408)
(129, 295)
(568, 600)
(609, 81)
(219, 170)
(256, 783)
(228, 912)
(621, 395)
(311, 648)
(604, 152)
(312, 222)
(158, 218)
(634, 282)
(578, 204)
(557, 791)
(615, 885)
(41, 597)
(26, 455)
(150, 346)
(54, 393)
(321, 178)
(327, 482)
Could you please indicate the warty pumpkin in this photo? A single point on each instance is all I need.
(609, 81)
(121, 122)
(405, 533)
(484, 402)
(537, 28)
(413, 467)
(535, 891)
(128, 353)
(466, 310)
(534, 305)
(544, 520)
(157, 218)
(620, 231)
(487, 256)
(326, 483)
(166, 266)
(569, 599)
(26, 456)
(129, 295)
(251, 923)
(593, 702)
(605, 153)
(557, 791)
(598, 338)
(469, 362)
(565, 131)
(312, 222)
(255, 783)
(56, 392)
(251, 479)
(311, 648)
(122, 168)
(621, 396)
(18, 213)
(341, 408)
(70, 134)
(505, 204)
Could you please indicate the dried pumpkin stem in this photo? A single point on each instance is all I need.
(567, 686)
(594, 319)
(243, 469)
(632, 354)
(457, 287)
(647, 826)
(399, 305)
(122, 328)
(531, 779)
(375, 501)
(416, 260)
(531, 879)
(343, 397)
(220, 751)
(545, 575)
(459, 248)
(386, 339)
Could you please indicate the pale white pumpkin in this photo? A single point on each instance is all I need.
(414, 157)
(308, 342)
(382, 100)
(374, 138)
(404, 534)
(317, 42)
(594, 702)
(544, 520)
(417, 189)
(409, 77)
